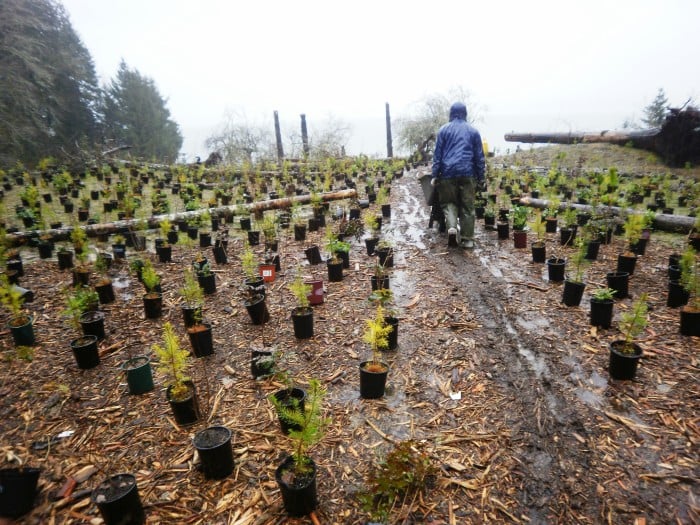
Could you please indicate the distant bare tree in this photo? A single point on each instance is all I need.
(416, 131)
(240, 140)
(327, 138)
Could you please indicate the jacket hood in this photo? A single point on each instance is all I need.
(458, 110)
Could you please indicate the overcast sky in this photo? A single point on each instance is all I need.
(531, 66)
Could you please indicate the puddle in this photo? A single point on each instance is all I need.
(488, 264)
(532, 325)
(589, 397)
(121, 282)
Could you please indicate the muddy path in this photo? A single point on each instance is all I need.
(550, 393)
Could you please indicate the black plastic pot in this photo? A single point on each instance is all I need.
(213, 445)
(139, 376)
(185, 411)
(335, 270)
(690, 321)
(393, 336)
(555, 269)
(23, 335)
(173, 237)
(618, 281)
(300, 232)
(313, 255)
(105, 292)
(165, 253)
(386, 210)
(573, 292)
(256, 286)
(65, 260)
(519, 239)
(299, 497)
(291, 399)
(245, 223)
(623, 365)
(503, 229)
(190, 315)
(207, 283)
(601, 313)
(118, 501)
(93, 323)
(674, 272)
(45, 249)
(85, 351)
(17, 490)
(372, 383)
(677, 295)
(370, 244)
(385, 256)
(257, 310)
(539, 252)
(201, 339)
(626, 263)
(303, 322)
(551, 224)
(639, 247)
(153, 305)
(345, 257)
(81, 277)
(567, 236)
(253, 237)
(220, 256)
(204, 239)
(592, 249)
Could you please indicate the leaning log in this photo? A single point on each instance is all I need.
(677, 141)
(663, 222)
(129, 225)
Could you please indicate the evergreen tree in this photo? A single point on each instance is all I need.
(655, 113)
(136, 114)
(48, 87)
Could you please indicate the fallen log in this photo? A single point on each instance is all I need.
(677, 141)
(663, 222)
(130, 225)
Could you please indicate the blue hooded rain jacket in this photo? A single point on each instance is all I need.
(458, 148)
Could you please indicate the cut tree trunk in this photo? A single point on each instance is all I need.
(153, 222)
(677, 141)
(663, 222)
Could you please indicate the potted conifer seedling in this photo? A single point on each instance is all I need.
(21, 323)
(296, 475)
(153, 298)
(253, 288)
(574, 284)
(519, 215)
(163, 246)
(302, 313)
(625, 353)
(180, 391)
(81, 310)
(690, 279)
(602, 307)
(373, 373)
(539, 250)
(199, 331)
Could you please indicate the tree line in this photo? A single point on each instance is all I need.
(51, 103)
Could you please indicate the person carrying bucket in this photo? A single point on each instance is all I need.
(458, 168)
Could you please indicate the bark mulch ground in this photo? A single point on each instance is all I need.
(505, 388)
